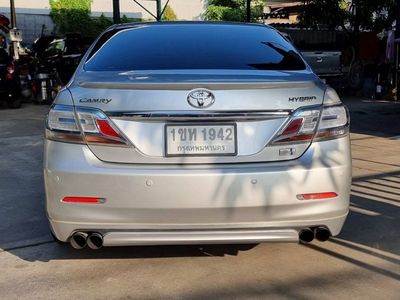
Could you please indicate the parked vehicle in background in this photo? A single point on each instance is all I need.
(175, 133)
(56, 61)
(9, 81)
(324, 63)
(40, 45)
(322, 49)
(63, 55)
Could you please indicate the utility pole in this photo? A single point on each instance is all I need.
(248, 11)
(397, 51)
(116, 12)
(159, 10)
(15, 34)
(13, 15)
(397, 29)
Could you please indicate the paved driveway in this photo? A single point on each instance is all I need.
(362, 263)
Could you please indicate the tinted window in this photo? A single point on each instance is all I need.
(194, 46)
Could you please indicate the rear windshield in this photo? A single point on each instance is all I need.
(196, 46)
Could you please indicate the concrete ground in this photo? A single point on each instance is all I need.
(362, 263)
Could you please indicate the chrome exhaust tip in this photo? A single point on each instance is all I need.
(95, 241)
(322, 234)
(78, 240)
(306, 235)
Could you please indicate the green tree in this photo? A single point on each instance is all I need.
(71, 15)
(169, 14)
(233, 10)
(353, 15)
(125, 19)
(100, 24)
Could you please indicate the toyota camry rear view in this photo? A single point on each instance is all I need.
(194, 133)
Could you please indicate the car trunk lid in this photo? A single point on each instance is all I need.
(141, 105)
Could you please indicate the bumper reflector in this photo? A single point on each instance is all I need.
(315, 196)
(83, 200)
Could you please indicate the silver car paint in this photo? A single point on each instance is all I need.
(149, 197)
(264, 92)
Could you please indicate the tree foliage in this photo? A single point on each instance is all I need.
(74, 16)
(125, 19)
(169, 14)
(71, 15)
(233, 10)
(353, 15)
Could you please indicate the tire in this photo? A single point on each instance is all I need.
(14, 103)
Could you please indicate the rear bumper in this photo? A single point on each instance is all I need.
(114, 235)
(241, 203)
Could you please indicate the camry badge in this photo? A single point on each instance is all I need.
(201, 98)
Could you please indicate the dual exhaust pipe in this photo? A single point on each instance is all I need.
(80, 240)
(307, 235)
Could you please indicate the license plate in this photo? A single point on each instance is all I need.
(200, 140)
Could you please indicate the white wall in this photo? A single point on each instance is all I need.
(189, 9)
(33, 14)
(184, 9)
(26, 6)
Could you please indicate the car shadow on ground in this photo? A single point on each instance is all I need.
(63, 251)
(372, 227)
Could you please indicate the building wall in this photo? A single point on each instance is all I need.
(32, 25)
(184, 9)
(32, 15)
(41, 7)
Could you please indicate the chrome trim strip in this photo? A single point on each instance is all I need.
(199, 115)
(135, 84)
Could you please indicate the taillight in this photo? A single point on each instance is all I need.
(335, 120)
(93, 126)
(10, 72)
(300, 128)
(331, 120)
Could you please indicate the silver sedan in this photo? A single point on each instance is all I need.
(191, 133)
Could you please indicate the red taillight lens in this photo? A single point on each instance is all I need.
(106, 129)
(10, 69)
(10, 72)
(300, 128)
(83, 200)
(34, 89)
(293, 127)
(316, 196)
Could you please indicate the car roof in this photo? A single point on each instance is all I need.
(197, 23)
